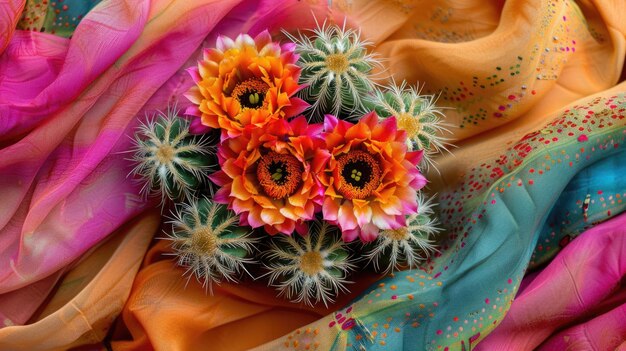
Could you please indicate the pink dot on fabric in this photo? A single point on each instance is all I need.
(487, 301)
(582, 138)
(510, 281)
(511, 97)
(331, 324)
(349, 324)
(394, 297)
(439, 332)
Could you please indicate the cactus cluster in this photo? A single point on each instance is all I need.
(301, 203)
(406, 246)
(208, 240)
(170, 161)
(336, 69)
(416, 114)
(311, 268)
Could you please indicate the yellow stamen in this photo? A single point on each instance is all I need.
(396, 234)
(250, 93)
(165, 154)
(410, 124)
(279, 175)
(203, 241)
(337, 63)
(353, 167)
(312, 263)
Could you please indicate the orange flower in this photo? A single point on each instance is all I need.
(266, 175)
(371, 180)
(245, 83)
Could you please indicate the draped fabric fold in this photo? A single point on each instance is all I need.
(10, 11)
(494, 220)
(537, 115)
(587, 298)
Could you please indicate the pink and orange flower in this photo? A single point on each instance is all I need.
(244, 83)
(370, 179)
(267, 177)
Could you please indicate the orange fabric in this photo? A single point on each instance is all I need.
(89, 297)
(436, 43)
(564, 52)
(431, 43)
(167, 312)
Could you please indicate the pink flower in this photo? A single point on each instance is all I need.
(371, 179)
(267, 178)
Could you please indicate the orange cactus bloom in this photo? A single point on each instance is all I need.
(245, 83)
(266, 175)
(370, 179)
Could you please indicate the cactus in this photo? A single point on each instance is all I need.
(407, 246)
(208, 241)
(170, 161)
(417, 115)
(310, 268)
(336, 69)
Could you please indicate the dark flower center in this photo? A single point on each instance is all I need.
(359, 174)
(280, 175)
(250, 93)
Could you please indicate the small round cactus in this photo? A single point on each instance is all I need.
(208, 241)
(310, 268)
(407, 246)
(172, 162)
(336, 69)
(417, 115)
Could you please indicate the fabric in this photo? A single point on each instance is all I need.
(464, 292)
(237, 317)
(54, 17)
(537, 117)
(10, 11)
(89, 297)
(586, 295)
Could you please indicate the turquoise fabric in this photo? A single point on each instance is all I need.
(456, 299)
(593, 195)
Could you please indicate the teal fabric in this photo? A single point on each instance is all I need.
(601, 186)
(460, 296)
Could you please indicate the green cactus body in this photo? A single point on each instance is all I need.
(172, 162)
(336, 69)
(407, 246)
(209, 242)
(416, 114)
(310, 268)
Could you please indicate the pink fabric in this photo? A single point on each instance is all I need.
(582, 282)
(102, 37)
(605, 332)
(10, 12)
(68, 107)
(64, 183)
